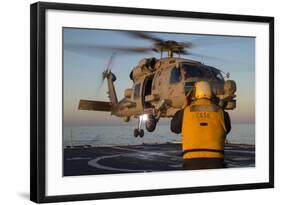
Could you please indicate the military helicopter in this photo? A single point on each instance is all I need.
(159, 86)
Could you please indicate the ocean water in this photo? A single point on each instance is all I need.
(123, 135)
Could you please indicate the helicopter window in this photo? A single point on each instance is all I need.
(218, 75)
(175, 75)
(192, 71)
(137, 90)
(208, 73)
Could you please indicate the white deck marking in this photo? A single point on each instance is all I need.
(241, 151)
(176, 165)
(149, 152)
(94, 163)
(78, 158)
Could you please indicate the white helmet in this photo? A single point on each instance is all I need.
(203, 90)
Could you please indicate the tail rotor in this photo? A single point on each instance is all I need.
(107, 71)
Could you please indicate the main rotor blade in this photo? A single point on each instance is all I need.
(208, 57)
(143, 35)
(186, 44)
(213, 41)
(96, 49)
(202, 57)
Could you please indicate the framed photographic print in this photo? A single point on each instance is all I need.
(129, 102)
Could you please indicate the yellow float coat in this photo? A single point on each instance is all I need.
(203, 130)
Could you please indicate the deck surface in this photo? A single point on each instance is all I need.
(88, 160)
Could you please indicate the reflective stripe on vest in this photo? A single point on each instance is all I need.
(204, 108)
(203, 130)
(202, 150)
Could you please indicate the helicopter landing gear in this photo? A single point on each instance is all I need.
(150, 124)
(138, 131)
(141, 132)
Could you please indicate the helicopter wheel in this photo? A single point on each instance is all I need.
(136, 133)
(150, 124)
(141, 132)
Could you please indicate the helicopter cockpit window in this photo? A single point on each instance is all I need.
(137, 90)
(218, 75)
(175, 76)
(192, 71)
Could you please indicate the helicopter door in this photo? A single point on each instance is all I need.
(137, 96)
(176, 87)
(147, 89)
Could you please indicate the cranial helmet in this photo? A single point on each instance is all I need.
(203, 90)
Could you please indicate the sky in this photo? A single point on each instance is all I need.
(83, 67)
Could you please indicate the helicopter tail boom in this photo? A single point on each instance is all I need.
(94, 105)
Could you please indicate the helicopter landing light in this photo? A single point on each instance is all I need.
(144, 117)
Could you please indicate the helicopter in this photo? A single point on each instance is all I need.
(159, 86)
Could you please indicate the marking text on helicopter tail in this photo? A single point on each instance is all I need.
(94, 105)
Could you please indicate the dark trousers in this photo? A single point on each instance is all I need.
(203, 163)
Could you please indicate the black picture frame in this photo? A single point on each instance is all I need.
(38, 101)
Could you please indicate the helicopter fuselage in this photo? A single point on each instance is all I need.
(159, 90)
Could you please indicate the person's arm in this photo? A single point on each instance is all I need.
(176, 122)
(227, 122)
(188, 97)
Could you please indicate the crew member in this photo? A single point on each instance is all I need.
(204, 126)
